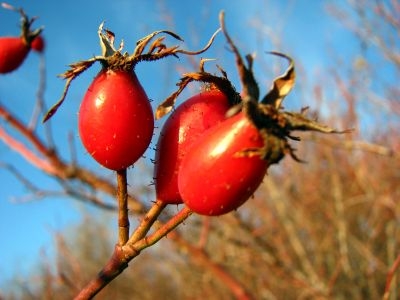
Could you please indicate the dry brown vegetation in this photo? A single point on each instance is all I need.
(325, 229)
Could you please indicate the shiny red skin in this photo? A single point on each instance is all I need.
(115, 119)
(183, 127)
(38, 44)
(213, 179)
(13, 51)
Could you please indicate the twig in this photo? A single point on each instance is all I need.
(353, 145)
(131, 250)
(73, 263)
(115, 266)
(342, 230)
(72, 148)
(82, 195)
(199, 256)
(204, 233)
(25, 152)
(24, 130)
(122, 198)
(296, 243)
(23, 179)
(51, 164)
(38, 193)
(147, 221)
(39, 105)
(124, 254)
(390, 277)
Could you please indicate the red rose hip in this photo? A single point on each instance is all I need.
(115, 119)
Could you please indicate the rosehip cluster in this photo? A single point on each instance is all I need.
(213, 150)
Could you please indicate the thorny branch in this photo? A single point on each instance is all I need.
(122, 198)
(148, 220)
(46, 158)
(390, 276)
(124, 254)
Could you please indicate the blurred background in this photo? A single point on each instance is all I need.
(324, 229)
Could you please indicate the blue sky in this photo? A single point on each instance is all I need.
(306, 32)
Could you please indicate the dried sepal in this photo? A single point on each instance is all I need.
(110, 35)
(75, 70)
(249, 84)
(167, 105)
(112, 58)
(220, 82)
(298, 121)
(203, 62)
(206, 47)
(276, 128)
(106, 41)
(157, 46)
(158, 50)
(142, 43)
(162, 52)
(282, 85)
(78, 68)
(273, 151)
